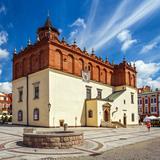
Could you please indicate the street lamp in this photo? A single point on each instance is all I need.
(49, 106)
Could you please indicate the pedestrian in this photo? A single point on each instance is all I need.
(148, 124)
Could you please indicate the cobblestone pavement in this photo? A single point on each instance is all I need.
(97, 142)
(147, 150)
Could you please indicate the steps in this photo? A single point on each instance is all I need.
(112, 124)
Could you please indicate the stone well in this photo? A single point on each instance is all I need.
(61, 140)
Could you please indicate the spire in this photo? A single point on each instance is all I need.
(48, 22)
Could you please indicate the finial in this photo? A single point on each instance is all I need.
(134, 64)
(74, 41)
(92, 50)
(15, 51)
(84, 49)
(106, 58)
(124, 59)
(29, 42)
(63, 39)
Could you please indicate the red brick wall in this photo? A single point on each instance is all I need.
(58, 55)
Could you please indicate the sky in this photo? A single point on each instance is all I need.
(113, 28)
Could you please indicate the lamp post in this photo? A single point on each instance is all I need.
(49, 107)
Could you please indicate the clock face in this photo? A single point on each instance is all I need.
(86, 76)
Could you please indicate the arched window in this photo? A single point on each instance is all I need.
(90, 113)
(20, 115)
(36, 114)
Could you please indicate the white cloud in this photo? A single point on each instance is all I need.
(6, 87)
(79, 23)
(108, 29)
(0, 71)
(148, 47)
(73, 35)
(151, 45)
(3, 53)
(2, 9)
(125, 38)
(3, 37)
(146, 72)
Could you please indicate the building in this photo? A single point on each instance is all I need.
(56, 83)
(5, 103)
(148, 102)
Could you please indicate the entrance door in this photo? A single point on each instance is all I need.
(106, 116)
(125, 119)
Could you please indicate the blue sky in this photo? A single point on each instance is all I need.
(114, 28)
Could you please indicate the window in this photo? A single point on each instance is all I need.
(146, 109)
(153, 108)
(99, 93)
(132, 117)
(124, 101)
(88, 92)
(90, 114)
(132, 98)
(146, 101)
(140, 109)
(155, 100)
(20, 115)
(151, 100)
(140, 101)
(36, 114)
(20, 92)
(36, 90)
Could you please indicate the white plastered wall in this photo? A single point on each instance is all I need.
(16, 105)
(67, 96)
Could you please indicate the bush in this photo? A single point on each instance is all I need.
(4, 119)
(10, 119)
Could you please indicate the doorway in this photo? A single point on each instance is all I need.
(106, 116)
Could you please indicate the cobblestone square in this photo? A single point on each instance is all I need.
(98, 142)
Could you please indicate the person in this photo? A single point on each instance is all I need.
(148, 124)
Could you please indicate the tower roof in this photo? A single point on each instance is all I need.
(48, 26)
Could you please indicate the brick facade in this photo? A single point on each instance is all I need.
(148, 102)
(50, 52)
(5, 103)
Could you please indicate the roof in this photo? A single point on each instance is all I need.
(48, 26)
(114, 96)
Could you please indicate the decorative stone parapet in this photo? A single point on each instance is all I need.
(59, 140)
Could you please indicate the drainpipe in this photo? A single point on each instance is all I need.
(27, 101)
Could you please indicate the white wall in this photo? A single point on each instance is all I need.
(16, 105)
(67, 96)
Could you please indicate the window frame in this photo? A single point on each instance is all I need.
(132, 117)
(90, 113)
(99, 96)
(20, 115)
(88, 88)
(36, 116)
(36, 93)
